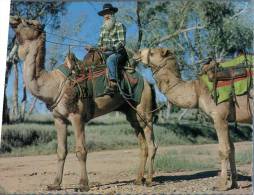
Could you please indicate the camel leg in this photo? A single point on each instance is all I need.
(225, 149)
(149, 135)
(143, 158)
(61, 128)
(233, 165)
(81, 151)
(131, 117)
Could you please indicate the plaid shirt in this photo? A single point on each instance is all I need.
(113, 39)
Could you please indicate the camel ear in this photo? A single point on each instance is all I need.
(24, 22)
(165, 52)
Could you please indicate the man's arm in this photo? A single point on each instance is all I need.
(99, 44)
(121, 36)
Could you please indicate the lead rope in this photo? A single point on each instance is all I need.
(251, 81)
(133, 107)
(59, 96)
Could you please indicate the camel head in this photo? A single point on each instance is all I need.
(208, 68)
(26, 31)
(156, 58)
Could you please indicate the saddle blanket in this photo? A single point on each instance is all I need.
(240, 86)
(131, 84)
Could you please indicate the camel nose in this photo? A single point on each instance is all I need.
(137, 56)
(14, 21)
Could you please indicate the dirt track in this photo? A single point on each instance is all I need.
(110, 172)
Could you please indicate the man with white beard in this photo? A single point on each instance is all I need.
(112, 41)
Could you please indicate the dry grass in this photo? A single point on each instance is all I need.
(37, 135)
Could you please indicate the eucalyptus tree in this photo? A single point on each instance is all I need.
(196, 30)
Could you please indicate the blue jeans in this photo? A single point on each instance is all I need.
(112, 63)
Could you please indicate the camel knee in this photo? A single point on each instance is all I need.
(144, 152)
(81, 153)
(61, 153)
(224, 154)
(144, 149)
(152, 150)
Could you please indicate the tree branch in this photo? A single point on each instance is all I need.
(165, 38)
(12, 52)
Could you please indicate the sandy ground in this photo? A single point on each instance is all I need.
(111, 172)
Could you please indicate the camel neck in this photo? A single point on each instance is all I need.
(166, 74)
(35, 76)
(181, 93)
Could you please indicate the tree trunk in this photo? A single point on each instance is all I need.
(139, 24)
(23, 106)
(6, 116)
(15, 108)
(6, 113)
(32, 106)
(9, 63)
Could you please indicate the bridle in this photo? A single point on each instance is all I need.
(158, 67)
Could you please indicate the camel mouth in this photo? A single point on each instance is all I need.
(14, 21)
(136, 58)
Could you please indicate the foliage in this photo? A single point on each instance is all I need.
(195, 30)
(46, 12)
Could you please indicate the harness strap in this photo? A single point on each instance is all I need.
(59, 96)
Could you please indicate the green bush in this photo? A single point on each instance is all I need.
(38, 135)
(25, 135)
(244, 156)
(173, 161)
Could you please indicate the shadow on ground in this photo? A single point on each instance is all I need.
(199, 175)
(158, 180)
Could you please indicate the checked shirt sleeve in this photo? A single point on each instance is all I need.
(100, 41)
(121, 37)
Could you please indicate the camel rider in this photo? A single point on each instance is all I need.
(112, 41)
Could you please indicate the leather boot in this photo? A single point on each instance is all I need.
(111, 89)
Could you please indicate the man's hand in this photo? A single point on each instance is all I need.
(103, 48)
(88, 47)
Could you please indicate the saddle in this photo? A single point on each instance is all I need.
(216, 73)
(89, 76)
(229, 79)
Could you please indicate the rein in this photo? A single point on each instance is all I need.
(58, 97)
(159, 67)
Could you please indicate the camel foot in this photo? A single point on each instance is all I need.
(221, 185)
(149, 183)
(52, 187)
(221, 188)
(82, 188)
(140, 181)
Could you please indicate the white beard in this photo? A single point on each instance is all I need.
(109, 24)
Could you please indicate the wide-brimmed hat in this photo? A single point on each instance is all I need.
(107, 7)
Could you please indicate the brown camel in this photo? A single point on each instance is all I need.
(52, 87)
(194, 94)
